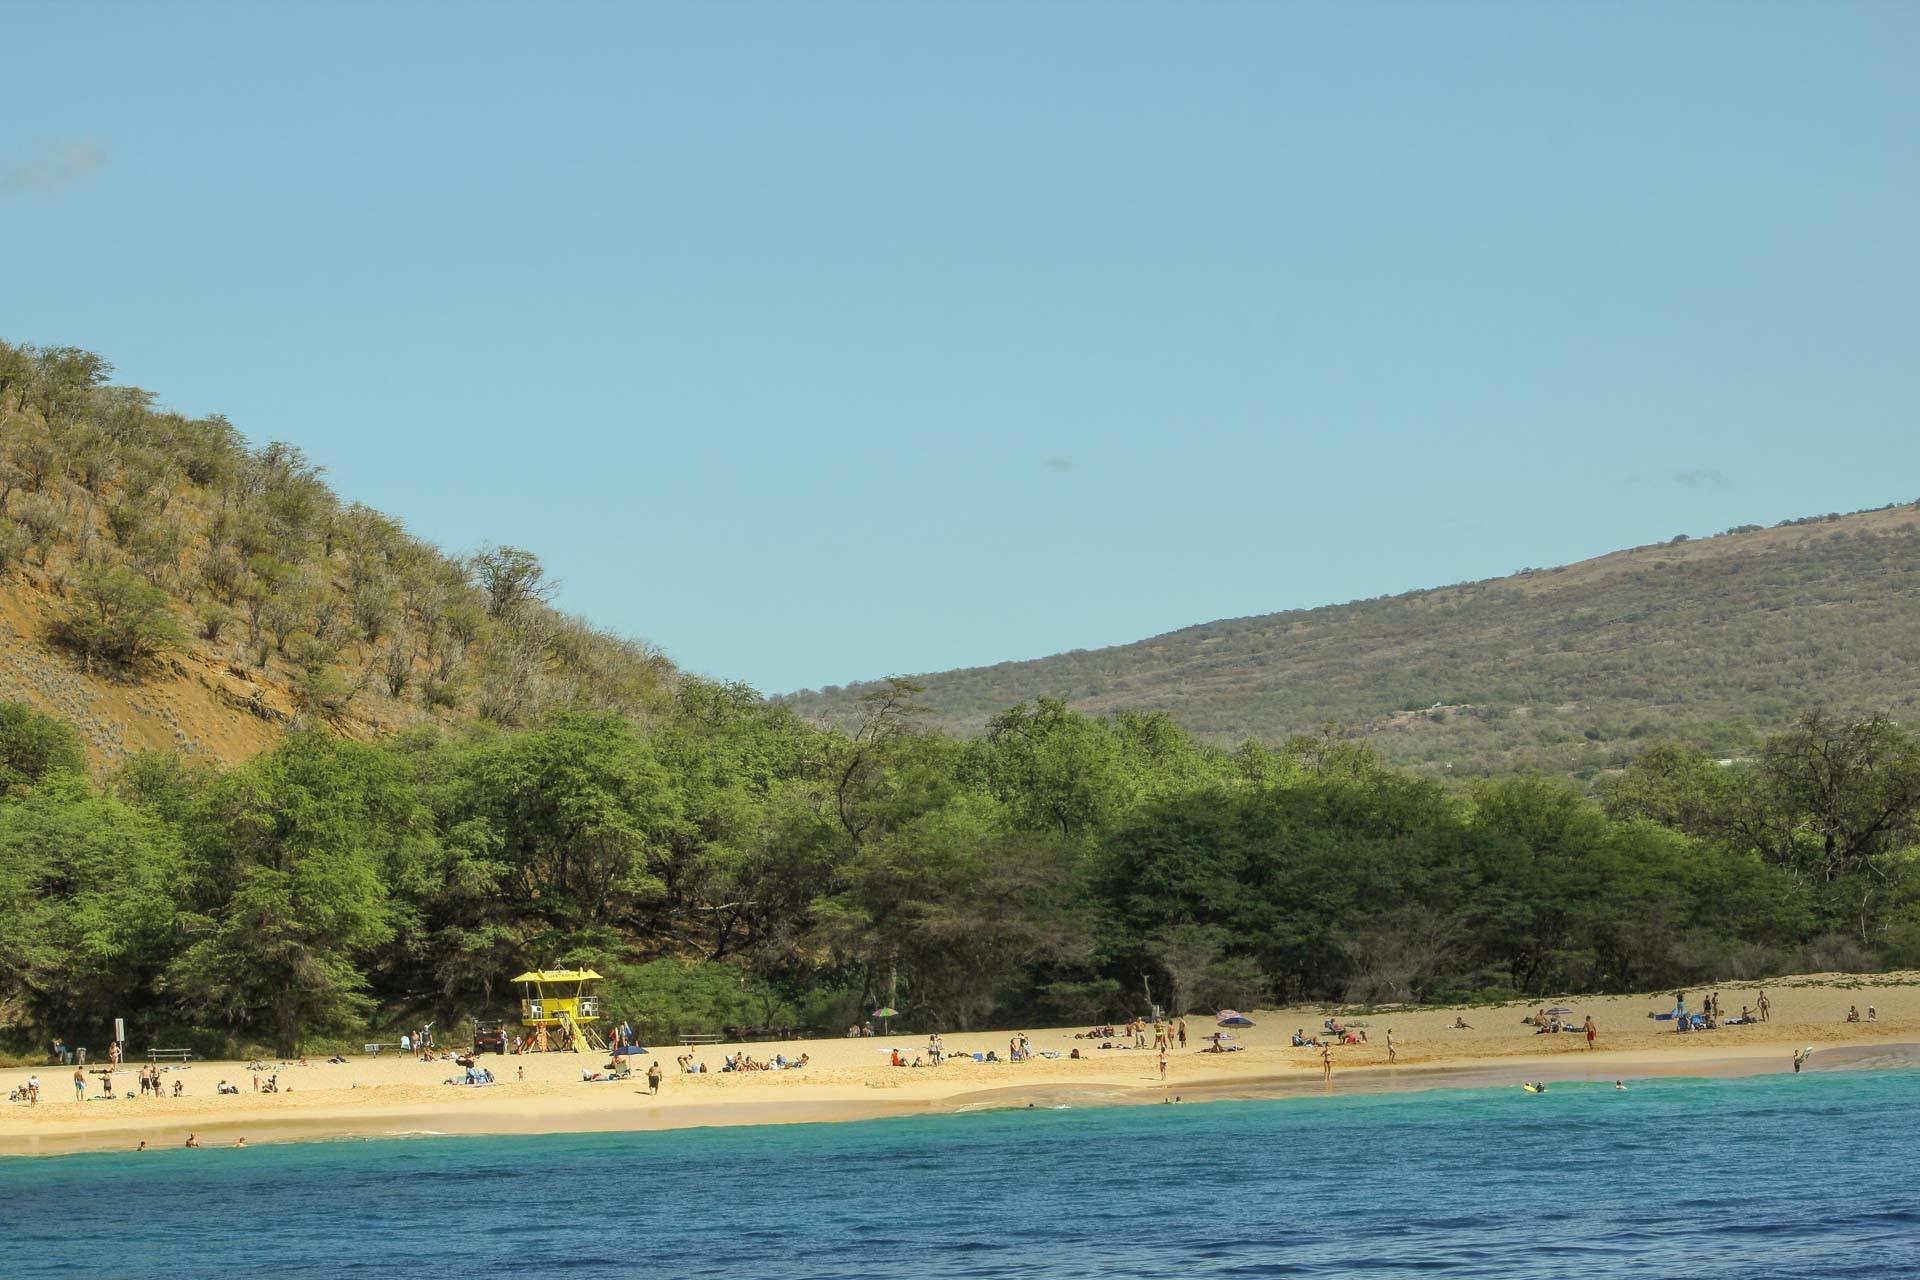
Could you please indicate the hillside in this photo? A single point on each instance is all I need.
(165, 585)
(1715, 641)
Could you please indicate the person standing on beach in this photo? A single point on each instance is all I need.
(1163, 1064)
(1326, 1062)
(1593, 1032)
(1390, 1053)
(79, 1085)
(1765, 1008)
(653, 1079)
(1798, 1059)
(1183, 1033)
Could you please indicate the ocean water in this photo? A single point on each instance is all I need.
(1772, 1177)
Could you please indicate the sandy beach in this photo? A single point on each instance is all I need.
(849, 1079)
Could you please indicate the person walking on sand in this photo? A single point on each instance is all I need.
(1391, 1055)
(653, 1079)
(1593, 1032)
(79, 1085)
(1163, 1064)
(1183, 1033)
(1764, 1006)
(1326, 1063)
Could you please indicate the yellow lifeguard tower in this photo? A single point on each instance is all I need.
(557, 1009)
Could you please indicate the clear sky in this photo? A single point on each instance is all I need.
(815, 342)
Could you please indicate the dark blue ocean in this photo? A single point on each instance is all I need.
(1773, 1177)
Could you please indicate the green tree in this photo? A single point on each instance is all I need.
(33, 745)
(86, 905)
(289, 873)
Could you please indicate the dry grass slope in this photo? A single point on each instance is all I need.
(1716, 641)
(163, 585)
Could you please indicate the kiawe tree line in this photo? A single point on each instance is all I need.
(726, 864)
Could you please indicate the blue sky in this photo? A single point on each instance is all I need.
(818, 342)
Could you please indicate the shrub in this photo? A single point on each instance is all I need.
(33, 745)
(116, 620)
(14, 542)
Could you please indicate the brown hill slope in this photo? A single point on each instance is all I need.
(1716, 640)
(165, 585)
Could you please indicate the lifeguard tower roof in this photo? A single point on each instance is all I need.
(558, 975)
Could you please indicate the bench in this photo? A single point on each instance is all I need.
(169, 1055)
(372, 1049)
(700, 1037)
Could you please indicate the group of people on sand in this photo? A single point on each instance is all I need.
(741, 1061)
(1168, 1033)
(860, 1029)
(1853, 1013)
(151, 1083)
(1712, 1016)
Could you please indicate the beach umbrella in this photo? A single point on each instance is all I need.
(627, 1049)
(1229, 1018)
(885, 1012)
(1560, 1010)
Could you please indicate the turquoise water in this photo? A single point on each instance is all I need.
(1773, 1177)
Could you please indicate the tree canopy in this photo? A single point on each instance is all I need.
(726, 864)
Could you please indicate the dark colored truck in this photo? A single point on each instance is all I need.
(489, 1037)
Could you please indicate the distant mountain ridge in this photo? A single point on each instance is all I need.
(1717, 641)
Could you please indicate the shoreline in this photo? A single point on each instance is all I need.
(601, 1108)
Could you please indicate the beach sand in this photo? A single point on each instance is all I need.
(849, 1079)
